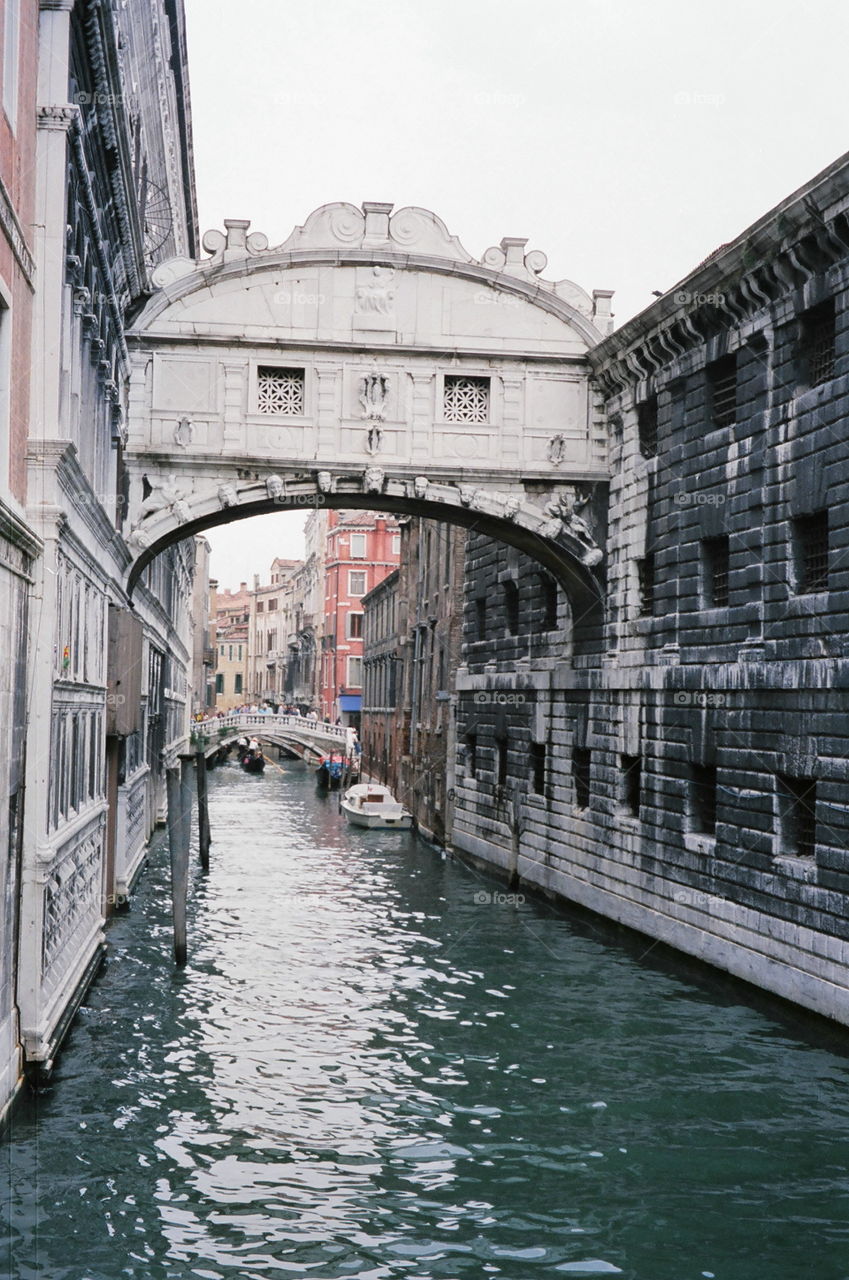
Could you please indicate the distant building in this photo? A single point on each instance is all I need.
(303, 667)
(413, 636)
(232, 615)
(203, 644)
(271, 627)
(362, 547)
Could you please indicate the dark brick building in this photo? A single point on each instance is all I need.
(680, 763)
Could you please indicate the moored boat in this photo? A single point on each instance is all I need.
(329, 770)
(368, 804)
(252, 760)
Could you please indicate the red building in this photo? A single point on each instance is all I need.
(362, 547)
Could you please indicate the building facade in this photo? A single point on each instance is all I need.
(679, 763)
(232, 652)
(362, 547)
(413, 635)
(271, 632)
(109, 688)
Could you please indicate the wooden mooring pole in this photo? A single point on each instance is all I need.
(179, 835)
(204, 837)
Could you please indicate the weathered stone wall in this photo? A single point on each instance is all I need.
(696, 767)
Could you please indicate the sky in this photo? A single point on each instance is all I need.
(627, 139)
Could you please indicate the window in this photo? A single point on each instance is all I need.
(355, 626)
(810, 553)
(357, 582)
(355, 672)
(358, 546)
(631, 784)
(280, 391)
(272, 605)
(237, 683)
(471, 757)
(722, 382)
(271, 642)
(538, 768)
(550, 601)
(396, 544)
(581, 760)
(229, 653)
(219, 682)
(797, 816)
(501, 762)
(260, 606)
(510, 597)
(480, 617)
(817, 344)
(465, 399)
(11, 42)
(703, 791)
(645, 585)
(715, 558)
(647, 427)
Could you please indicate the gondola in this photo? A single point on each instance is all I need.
(328, 774)
(252, 761)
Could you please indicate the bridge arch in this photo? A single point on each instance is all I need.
(370, 362)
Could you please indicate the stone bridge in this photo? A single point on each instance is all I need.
(297, 733)
(369, 361)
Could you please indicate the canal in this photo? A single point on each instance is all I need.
(379, 1064)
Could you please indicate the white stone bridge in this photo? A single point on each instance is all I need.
(369, 361)
(305, 737)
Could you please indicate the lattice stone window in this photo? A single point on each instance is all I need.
(280, 391)
(465, 399)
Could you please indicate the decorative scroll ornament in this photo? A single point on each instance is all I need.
(374, 439)
(557, 449)
(376, 297)
(374, 391)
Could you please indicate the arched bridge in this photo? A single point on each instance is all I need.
(297, 733)
(369, 361)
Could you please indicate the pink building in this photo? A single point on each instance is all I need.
(362, 547)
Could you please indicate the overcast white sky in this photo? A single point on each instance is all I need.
(625, 138)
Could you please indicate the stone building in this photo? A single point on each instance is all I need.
(303, 667)
(19, 544)
(232, 632)
(679, 762)
(271, 630)
(413, 628)
(203, 641)
(114, 195)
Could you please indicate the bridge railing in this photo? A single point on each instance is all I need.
(257, 721)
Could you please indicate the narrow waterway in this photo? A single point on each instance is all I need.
(379, 1065)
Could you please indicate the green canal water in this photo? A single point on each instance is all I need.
(379, 1065)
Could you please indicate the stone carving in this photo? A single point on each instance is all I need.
(566, 508)
(420, 487)
(183, 433)
(557, 449)
(227, 496)
(376, 297)
(373, 478)
(275, 488)
(324, 481)
(374, 390)
(374, 439)
(138, 539)
(511, 508)
(166, 494)
(467, 495)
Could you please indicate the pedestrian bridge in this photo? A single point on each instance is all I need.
(296, 733)
(369, 361)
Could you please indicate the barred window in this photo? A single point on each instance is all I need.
(645, 585)
(471, 756)
(647, 427)
(810, 553)
(581, 761)
(703, 787)
(797, 816)
(510, 594)
(465, 399)
(632, 784)
(722, 376)
(715, 561)
(280, 391)
(538, 768)
(817, 345)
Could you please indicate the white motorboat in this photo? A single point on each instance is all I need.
(368, 804)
